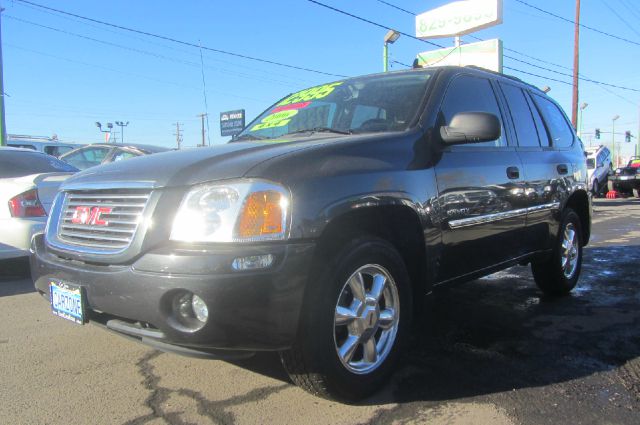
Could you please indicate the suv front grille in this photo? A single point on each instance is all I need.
(104, 219)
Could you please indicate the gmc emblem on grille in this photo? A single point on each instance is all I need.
(90, 215)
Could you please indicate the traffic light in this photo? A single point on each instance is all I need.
(627, 136)
(597, 133)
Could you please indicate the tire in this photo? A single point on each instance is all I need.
(610, 186)
(636, 192)
(554, 276)
(595, 191)
(334, 320)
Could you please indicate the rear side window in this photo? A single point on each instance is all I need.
(472, 94)
(526, 131)
(21, 163)
(559, 129)
(88, 157)
(57, 150)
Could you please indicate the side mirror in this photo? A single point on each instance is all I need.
(471, 127)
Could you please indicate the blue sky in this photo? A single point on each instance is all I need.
(63, 78)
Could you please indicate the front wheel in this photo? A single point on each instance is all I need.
(636, 192)
(559, 274)
(355, 320)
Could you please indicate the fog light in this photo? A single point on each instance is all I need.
(190, 308)
(200, 308)
(253, 262)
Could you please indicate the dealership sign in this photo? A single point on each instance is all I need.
(231, 122)
(459, 18)
(485, 54)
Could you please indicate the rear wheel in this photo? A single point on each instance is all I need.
(354, 324)
(559, 274)
(595, 190)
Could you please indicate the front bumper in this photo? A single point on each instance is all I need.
(625, 183)
(248, 311)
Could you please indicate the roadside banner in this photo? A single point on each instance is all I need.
(485, 54)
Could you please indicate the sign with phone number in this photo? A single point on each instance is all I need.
(459, 18)
(281, 115)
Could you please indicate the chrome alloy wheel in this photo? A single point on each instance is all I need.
(366, 319)
(570, 252)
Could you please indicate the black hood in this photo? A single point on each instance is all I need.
(198, 165)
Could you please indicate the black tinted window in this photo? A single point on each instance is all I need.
(526, 131)
(21, 163)
(559, 129)
(471, 94)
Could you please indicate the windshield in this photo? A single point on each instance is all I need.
(591, 163)
(377, 103)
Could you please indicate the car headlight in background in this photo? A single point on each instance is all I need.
(242, 211)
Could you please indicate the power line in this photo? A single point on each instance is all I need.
(182, 42)
(146, 77)
(583, 78)
(624, 21)
(481, 39)
(396, 7)
(371, 22)
(617, 37)
(148, 53)
(152, 42)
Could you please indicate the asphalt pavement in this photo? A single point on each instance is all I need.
(491, 351)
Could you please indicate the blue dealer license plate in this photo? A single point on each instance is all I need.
(66, 301)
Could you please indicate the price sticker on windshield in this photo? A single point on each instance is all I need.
(314, 93)
(279, 119)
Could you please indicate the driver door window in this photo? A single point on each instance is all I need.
(472, 94)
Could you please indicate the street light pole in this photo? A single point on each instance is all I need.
(389, 38)
(613, 138)
(109, 128)
(122, 126)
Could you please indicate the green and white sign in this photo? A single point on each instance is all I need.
(486, 54)
(459, 18)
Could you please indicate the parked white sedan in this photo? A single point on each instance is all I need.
(29, 181)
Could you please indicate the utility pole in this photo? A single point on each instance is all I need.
(178, 135)
(576, 52)
(202, 117)
(3, 127)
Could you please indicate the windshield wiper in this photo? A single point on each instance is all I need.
(321, 130)
(250, 137)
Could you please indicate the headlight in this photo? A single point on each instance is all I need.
(233, 212)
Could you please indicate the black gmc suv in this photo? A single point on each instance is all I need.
(319, 228)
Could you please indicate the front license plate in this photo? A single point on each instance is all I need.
(66, 301)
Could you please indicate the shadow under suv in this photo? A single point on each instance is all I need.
(319, 228)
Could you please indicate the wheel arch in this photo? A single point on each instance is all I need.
(399, 224)
(580, 202)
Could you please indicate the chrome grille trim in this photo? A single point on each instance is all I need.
(128, 206)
